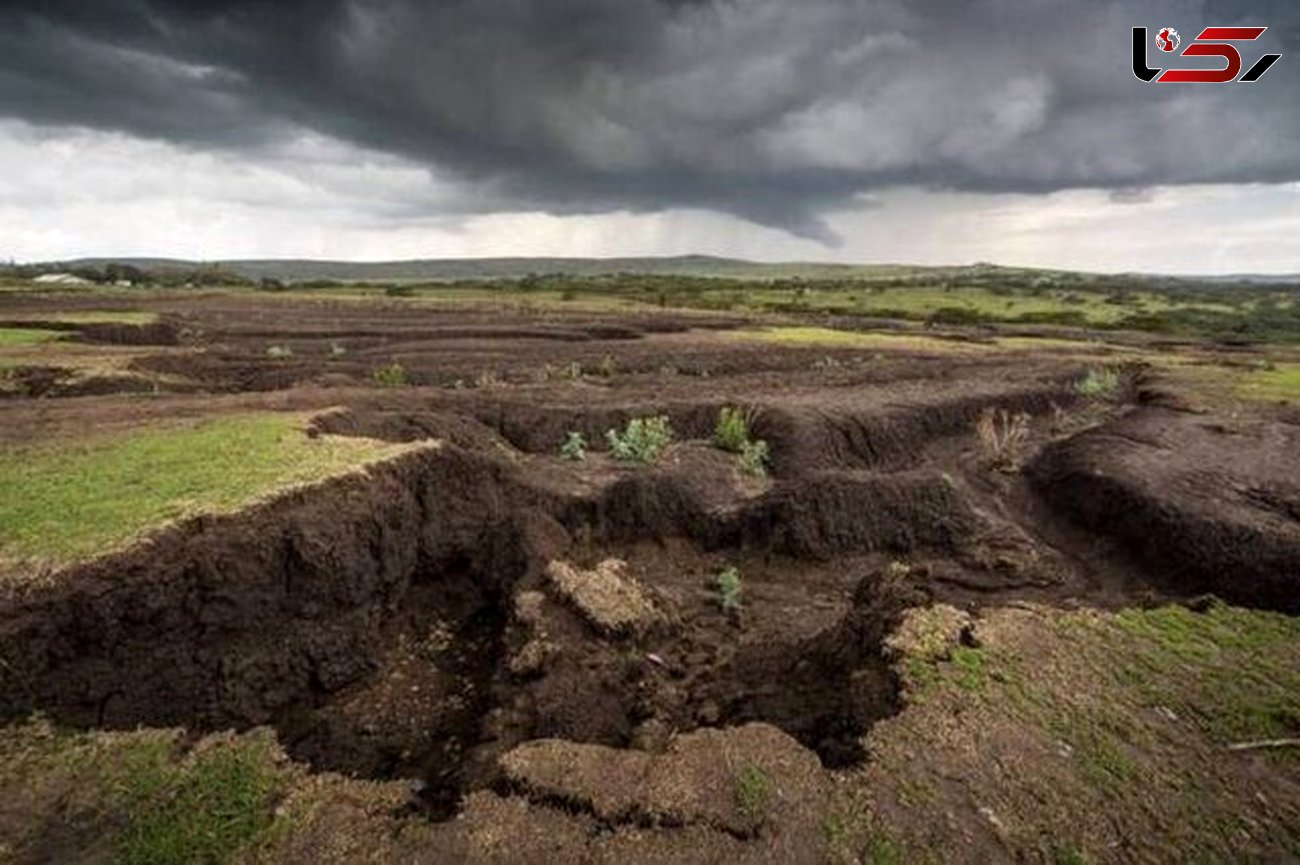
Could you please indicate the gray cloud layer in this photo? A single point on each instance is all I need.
(773, 110)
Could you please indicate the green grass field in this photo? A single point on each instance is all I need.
(866, 340)
(1101, 722)
(885, 340)
(20, 337)
(151, 796)
(59, 503)
(1282, 382)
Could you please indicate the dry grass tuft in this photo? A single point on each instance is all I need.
(1002, 438)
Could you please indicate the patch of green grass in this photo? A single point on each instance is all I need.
(731, 431)
(391, 375)
(921, 675)
(62, 502)
(969, 668)
(1235, 672)
(1098, 384)
(854, 834)
(825, 336)
(882, 849)
(1281, 382)
(205, 809)
(141, 796)
(24, 336)
(1099, 740)
(753, 794)
(1067, 854)
(1109, 729)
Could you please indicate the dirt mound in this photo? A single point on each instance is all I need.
(1207, 505)
(735, 781)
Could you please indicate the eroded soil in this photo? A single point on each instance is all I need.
(536, 647)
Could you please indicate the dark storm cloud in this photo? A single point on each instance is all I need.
(770, 109)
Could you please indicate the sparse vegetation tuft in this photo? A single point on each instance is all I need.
(574, 446)
(643, 440)
(728, 585)
(731, 431)
(753, 794)
(278, 352)
(1002, 437)
(753, 458)
(1098, 384)
(391, 375)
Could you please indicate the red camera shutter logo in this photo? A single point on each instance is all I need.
(1211, 42)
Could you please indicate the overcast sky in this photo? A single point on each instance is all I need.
(852, 130)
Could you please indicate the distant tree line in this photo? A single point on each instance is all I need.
(113, 272)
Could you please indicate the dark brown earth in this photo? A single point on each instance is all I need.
(402, 624)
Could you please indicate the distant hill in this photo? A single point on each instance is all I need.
(447, 269)
(438, 269)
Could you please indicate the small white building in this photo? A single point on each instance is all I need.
(61, 279)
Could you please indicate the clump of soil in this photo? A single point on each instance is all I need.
(605, 595)
(742, 781)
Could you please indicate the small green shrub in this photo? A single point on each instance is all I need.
(727, 582)
(1098, 383)
(753, 458)
(337, 349)
(391, 375)
(608, 367)
(278, 352)
(400, 291)
(731, 432)
(642, 440)
(574, 447)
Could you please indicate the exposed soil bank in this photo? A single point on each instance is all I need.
(372, 619)
(1206, 506)
(230, 620)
